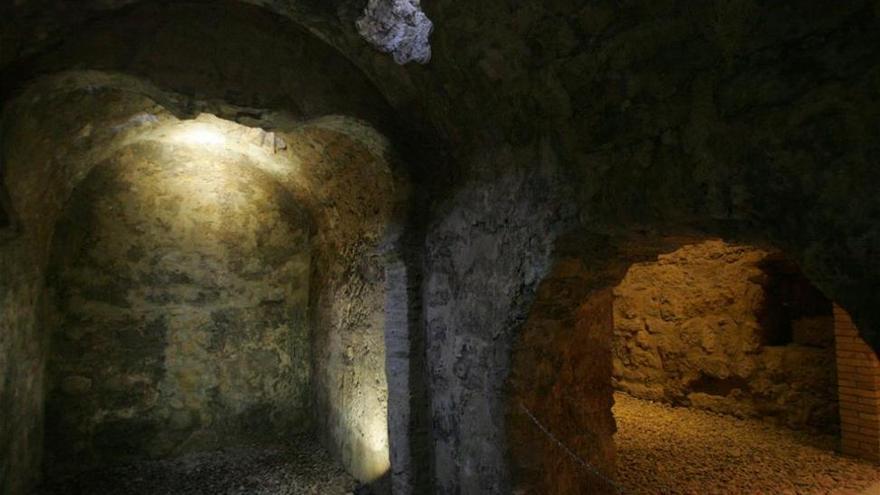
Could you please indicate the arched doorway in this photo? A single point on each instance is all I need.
(728, 328)
(736, 362)
(159, 340)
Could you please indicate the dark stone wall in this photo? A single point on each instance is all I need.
(32, 158)
(181, 282)
(483, 262)
(212, 51)
(743, 119)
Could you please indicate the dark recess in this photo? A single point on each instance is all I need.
(719, 386)
(789, 296)
(8, 223)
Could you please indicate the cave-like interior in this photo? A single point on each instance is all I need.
(440, 247)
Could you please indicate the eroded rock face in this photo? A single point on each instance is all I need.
(398, 27)
(722, 327)
(181, 282)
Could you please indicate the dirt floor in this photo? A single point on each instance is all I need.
(302, 468)
(666, 450)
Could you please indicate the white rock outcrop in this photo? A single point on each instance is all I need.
(398, 27)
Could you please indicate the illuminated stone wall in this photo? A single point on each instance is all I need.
(339, 171)
(727, 328)
(352, 194)
(483, 263)
(181, 278)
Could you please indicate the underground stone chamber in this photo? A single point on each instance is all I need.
(198, 284)
(673, 369)
(394, 184)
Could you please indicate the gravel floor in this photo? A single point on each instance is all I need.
(666, 450)
(300, 468)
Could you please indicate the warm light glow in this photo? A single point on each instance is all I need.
(203, 135)
(377, 433)
(373, 456)
(212, 135)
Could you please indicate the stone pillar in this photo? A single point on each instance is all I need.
(858, 378)
(408, 413)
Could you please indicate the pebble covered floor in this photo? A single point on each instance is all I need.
(297, 469)
(675, 450)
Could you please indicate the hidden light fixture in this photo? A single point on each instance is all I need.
(201, 135)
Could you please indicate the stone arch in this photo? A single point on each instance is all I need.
(229, 51)
(343, 172)
(51, 21)
(559, 421)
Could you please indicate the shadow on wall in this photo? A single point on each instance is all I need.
(369, 452)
